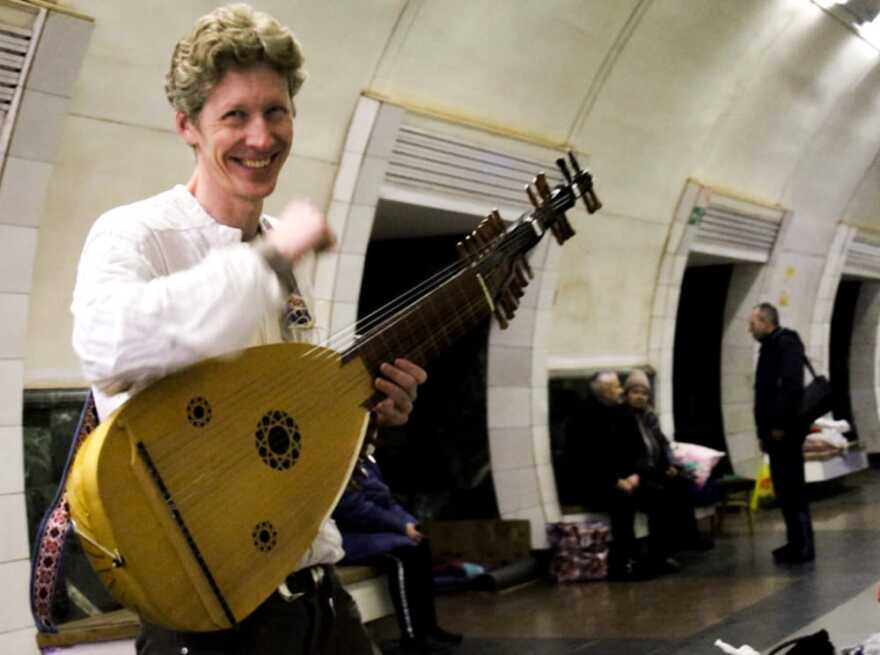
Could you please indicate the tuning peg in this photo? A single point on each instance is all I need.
(565, 172)
(524, 264)
(520, 275)
(540, 183)
(592, 201)
(532, 197)
(502, 321)
(496, 220)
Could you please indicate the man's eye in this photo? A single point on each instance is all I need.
(235, 114)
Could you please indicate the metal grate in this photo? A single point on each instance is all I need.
(736, 231)
(14, 45)
(863, 258)
(442, 164)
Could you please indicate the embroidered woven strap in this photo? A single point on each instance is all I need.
(48, 556)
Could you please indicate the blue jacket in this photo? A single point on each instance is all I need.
(370, 520)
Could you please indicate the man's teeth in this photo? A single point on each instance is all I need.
(256, 163)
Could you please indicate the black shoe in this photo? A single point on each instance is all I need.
(422, 645)
(445, 637)
(700, 542)
(795, 556)
(780, 554)
(667, 565)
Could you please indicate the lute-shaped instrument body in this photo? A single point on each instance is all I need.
(197, 497)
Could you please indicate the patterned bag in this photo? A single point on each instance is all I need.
(580, 551)
(48, 556)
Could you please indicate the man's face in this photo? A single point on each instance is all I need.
(242, 136)
(758, 326)
(638, 397)
(611, 392)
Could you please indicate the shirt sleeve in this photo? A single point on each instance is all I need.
(133, 324)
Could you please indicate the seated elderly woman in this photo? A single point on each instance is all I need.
(377, 531)
(645, 480)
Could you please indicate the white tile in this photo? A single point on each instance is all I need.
(12, 462)
(18, 246)
(547, 486)
(527, 484)
(509, 407)
(59, 56)
(23, 191)
(337, 217)
(322, 310)
(543, 325)
(539, 367)
(520, 331)
(13, 518)
(554, 253)
(538, 255)
(385, 129)
(676, 231)
(325, 275)
(506, 491)
(38, 126)
(11, 376)
(15, 610)
(348, 278)
(358, 229)
(511, 448)
(14, 310)
(361, 125)
(672, 301)
(549, 281)
(346, 177)
(342, 318)
(369, 181)
(658, 308)
(24, 642)
(540, 406)
(509, 366)
(541, 445)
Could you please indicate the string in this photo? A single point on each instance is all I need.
(473, 303)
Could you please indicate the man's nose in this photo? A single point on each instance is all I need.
(258, 135)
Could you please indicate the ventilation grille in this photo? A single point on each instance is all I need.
(441, 164)
(14, 45)
(735, 232)
(863, 258)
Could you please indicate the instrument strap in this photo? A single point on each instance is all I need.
(48, 556)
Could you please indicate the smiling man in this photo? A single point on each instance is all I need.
(198, 271)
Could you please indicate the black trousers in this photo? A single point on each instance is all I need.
(789, 485)
(411, 583)
(671, 519)
(324, 620)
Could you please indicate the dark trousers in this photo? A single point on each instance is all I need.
(324, 620)
(671, 520)
(789, 485)
(411, 584)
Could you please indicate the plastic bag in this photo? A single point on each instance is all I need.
(763, 494)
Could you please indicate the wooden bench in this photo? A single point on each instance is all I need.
(367, 586)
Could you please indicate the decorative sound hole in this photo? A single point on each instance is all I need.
(198, 411)
(265, 536)
(278, 440)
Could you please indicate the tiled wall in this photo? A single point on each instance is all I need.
(25, 178)
(519, 438)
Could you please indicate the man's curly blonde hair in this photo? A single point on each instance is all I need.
(228, 37)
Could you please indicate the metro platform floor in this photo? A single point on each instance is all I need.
(734, 592)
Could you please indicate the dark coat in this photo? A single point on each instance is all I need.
(370, 521)
(779, 384)
(589, 444)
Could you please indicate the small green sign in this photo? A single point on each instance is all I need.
(696, 216)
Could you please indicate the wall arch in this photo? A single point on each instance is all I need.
(519, 438)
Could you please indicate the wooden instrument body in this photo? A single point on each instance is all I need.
(208, 487)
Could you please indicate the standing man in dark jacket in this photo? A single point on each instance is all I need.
(779, 389)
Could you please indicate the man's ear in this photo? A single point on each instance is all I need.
(186, 128)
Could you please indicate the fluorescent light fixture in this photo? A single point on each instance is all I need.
(828, 4)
